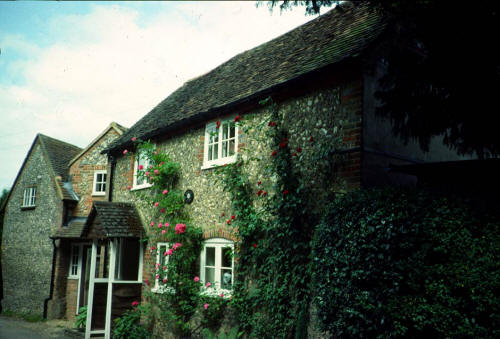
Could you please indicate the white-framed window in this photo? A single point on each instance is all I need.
(99, 187)
(140, 164)
(29, 197)
(161, 266)
(74, 263)
(221, 143)
(216, 266)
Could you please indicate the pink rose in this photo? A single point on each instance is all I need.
(205, 306)
(165, 191)
(208, 284)
(141, 167)
(157, 204)
(221, 295)
(165, 280)
(180, 228)
(176, 246)
(129, 187)
(162, 210)
(133, 139)
(157, 276)
(167, 224)
(135, 303)
(150, 166)
(156, 172)
(169, 252)
(153, 248)
(196, 279)
(152, 223)
(146, 281)
(160, 225)
(164, 268)
(125, 151)
(146, 174)
(163, 231)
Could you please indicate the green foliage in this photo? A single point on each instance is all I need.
(234, 333)
(129, 326)
(214, 312)
(400, 263)
(81, 318)
(30, 317)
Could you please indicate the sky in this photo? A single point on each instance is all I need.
(68, 69)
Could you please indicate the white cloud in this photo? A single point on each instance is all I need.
(113, 65)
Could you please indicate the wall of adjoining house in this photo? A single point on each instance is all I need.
(26, 246)
(332, 110)
(82, 173)
(382, 148)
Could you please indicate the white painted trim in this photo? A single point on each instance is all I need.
(29, 197)
(219, 161)
(135, 186)
(111, 277)
(94, 182)
(90, 303)
(218, 244)
(141, 259)
(80, 266)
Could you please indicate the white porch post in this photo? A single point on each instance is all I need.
(111, 279)
(141, 258)
(91, 289)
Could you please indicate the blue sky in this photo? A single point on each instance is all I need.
(68, 69)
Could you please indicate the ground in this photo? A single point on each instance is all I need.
(20, 329)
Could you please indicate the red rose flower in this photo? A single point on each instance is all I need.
(228, 221)
(294, 154)
(217, 124)
(271, 124)
(311, 139)
(264, 193)
(237, 118)
(285, 192)
(258, 183)
(233, 217)
(222, 215)
(299, 149)
(254, 245)
(274, 153)
(259, 192)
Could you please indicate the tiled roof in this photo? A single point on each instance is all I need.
(116, 219)
(73, 230)
(339, 34)
(59, 154)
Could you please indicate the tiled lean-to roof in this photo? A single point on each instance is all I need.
(335, 36)
(113, 220)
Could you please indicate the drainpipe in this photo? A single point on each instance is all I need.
(111, 172)
(52, 274)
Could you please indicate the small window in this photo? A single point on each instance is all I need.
(140, 168)
(221, 143)
(99, 187)
(74, 261)
(216, 264)
(29, 197)
(160, 271)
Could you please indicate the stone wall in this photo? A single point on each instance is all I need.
(27, 251)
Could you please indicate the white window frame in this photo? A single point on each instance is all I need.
(78, 248)
(94, 184)
(159, 254)
(210, 128)
(145, 184)
(218, 243)
(29, 197)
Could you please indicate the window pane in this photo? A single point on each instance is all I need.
(225, 130)
(224, 149)
(227, 279)
(231, 147)
(210, 275)
(210, 256)
(232, 130)
(209, 152)
(103, 187)
(99, 177)
(104, 177)
(216, 152)
(227, 257)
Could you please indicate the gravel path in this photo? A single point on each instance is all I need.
(13, 328)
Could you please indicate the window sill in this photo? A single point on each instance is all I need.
(72, 277)
(215, 164)
(137, 188)
(98, 194)
(25, 208)
(212, 292)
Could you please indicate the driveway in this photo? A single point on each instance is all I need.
(13, 328)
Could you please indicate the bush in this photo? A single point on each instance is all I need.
(401, 263)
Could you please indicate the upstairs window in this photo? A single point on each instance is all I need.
(29, 197)
(216, 264)
(99, 187)
(221, 143)
(141, 165)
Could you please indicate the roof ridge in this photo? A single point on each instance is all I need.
(58, 140)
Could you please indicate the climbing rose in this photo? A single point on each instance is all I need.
(156, 171)
(228, 221)
(222, 214)
(169, 252)
(164, 280)
(161, 163)
(129, 187)
(146, 281)
(271, 124)
(157, 276)
(125, 151)
(258, 182)
(164, 268)
(163, 231)
(133, 139)
(141, 167)
(311, 139)
(285, 192)
(180, 228)
(233, 217)
(264, 193)
(157, 204)
(205, 306)
(294, 154)
(152, 224)
(274, 153)
(259, 192)
(217, 124)
(167, 224)
(237, 118)
(147, 173)
(162, 210)
(160, 225)
(176, 246)
(208, 284)
(283, 143)
(153, 248)
(254, 245)
(221, 295)
(196, 279)
(299, 149)
(165, 191)
(135, 303)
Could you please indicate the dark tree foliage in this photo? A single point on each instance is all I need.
(443, 70)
